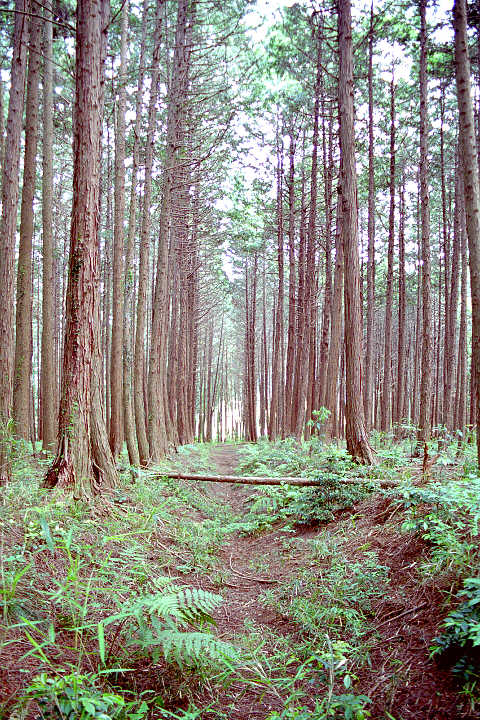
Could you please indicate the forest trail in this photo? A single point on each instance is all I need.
(224, 460)
(251, 564)
(258, 573)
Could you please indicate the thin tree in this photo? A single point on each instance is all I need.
(426, 372)
(471, 182)
(371, 237)
(116, 359)
(23, 324)
(48, 380)
(387, 363)
(8, 221)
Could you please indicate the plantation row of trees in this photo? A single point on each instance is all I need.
(243, 232)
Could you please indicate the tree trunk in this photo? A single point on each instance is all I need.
(371, 238)
(48, 378)
(76, 466)
(289, 371)
(327, 297)
(471, 183)
(128, 310)
(356, 435)
(426, 372)
(8, 223)
(452, 307)
(401, 357)
(276, 414)
(116, 359)
(387, 364)
(23, 335)
(139, 361)
(309, 290)
(336, 323)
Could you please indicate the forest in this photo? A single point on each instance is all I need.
(239, 360)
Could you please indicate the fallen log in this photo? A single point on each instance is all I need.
(297, 481)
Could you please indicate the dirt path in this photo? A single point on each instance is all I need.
(399, 677)
(224, 460)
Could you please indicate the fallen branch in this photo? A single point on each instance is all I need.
(402, 614)
(297, 481)
(251, 577)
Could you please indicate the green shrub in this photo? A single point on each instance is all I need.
(459, 644)
(77, 697)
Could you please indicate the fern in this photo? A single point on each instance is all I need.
(161, 618)
(190, 647)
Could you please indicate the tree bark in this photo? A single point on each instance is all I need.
(356, 435)
(23, 335)
(128, 310)
(387, 363)
(471, 182)
(8, 223)
(48, 377)
(116, 359)
(401, 357)
(426, 372)
(139, 358)
(371, 238)
(75, 466)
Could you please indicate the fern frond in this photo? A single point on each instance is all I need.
(187, 648)
(181, 604)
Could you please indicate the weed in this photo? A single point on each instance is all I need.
(77, 697)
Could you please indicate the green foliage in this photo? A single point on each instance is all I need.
(336, 600)
(162, 618)
(447, 516)
(294, 505)
(349, 707)
(89, 592)
(318, 420)
(77, 697)
(459, 644)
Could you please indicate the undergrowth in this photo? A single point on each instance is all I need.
(295, 506)
(104, 616)
(447, 516)
(88, 597)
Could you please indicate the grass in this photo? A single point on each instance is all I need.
(104, 611)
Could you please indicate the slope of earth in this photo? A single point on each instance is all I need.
(330, 620)
(267, 571)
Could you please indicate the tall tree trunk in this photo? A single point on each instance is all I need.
(336, 323)
(309, 290)
(452, 307)
(289, 372)
(8, 222)
(48, 378)
(356, 435)
(23, 335)
(76, 466)
(327, 297)
(2, 127)
(471, 183)
(387, 363)
(276, 414)
(116, 359)
(128, 310)
(426, 373)
(139, 361)
(371, 238)
(401, 357)
(460, 396)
